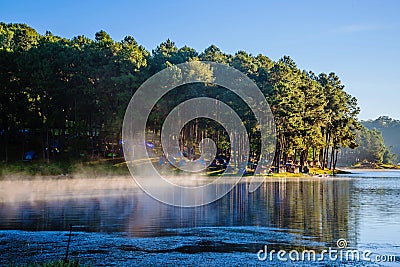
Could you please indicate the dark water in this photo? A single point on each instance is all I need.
(123, 226)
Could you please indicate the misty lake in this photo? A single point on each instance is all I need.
(115, 223)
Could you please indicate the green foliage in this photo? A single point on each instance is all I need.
(65, 91)
(98, 168)
(389, 157)
(371, 148)
(36, 168)
(390, 129)
(74, 92)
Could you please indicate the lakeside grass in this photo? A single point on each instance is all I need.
(68, 169)
(117, 167)
(389, 166)
(313, 172)
(375, 166)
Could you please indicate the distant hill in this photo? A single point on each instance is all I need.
(390, 129)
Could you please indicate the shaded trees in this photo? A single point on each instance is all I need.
(390, 131)
(371, 148)
(341, 110)
(74, 92)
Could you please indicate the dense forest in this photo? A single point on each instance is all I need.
(390, 129)
(372, 149)
(66, 98)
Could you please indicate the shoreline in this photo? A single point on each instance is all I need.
(21, 176)
(34, 190)
(82, 176)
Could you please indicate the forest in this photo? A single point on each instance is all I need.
(390, 131)
(372, 150)
(65, 99)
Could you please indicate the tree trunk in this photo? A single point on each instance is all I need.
(48, 147)
(335, 161)
(313, 154)
(321, 156)
(277, 155)
(303, 158)
(23, 144)
(6, 137)
(306, 155)
(234, 150)
(325, 157)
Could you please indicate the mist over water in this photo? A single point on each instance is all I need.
(65, 188)
(45, 189)
(112, 215)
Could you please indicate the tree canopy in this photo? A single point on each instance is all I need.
(70, 95)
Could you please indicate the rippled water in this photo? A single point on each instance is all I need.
(114, 222)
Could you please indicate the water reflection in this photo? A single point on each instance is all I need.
(322, 209)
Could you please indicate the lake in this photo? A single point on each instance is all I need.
(115, 223)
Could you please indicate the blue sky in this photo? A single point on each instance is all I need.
(359, 40)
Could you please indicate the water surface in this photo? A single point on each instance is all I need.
(114, 222)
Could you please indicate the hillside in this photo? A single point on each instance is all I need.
(390, 129)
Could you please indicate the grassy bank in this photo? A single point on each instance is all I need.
(313, 171)
(375, 166)
(104, 167)
(59, 168)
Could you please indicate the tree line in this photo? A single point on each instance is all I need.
(67, 97)
(389, 128)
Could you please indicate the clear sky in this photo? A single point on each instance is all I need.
(359, 40)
